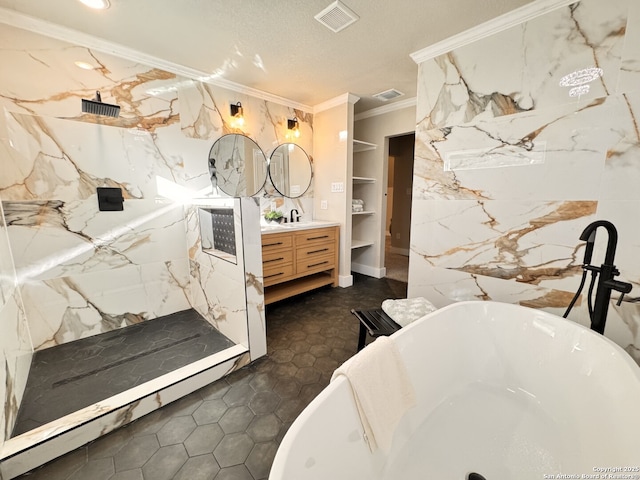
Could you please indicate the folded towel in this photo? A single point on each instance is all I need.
(406, 310)
(357, 201)
(381, 388)
(357, 208)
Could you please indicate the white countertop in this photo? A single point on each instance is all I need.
(288, 227)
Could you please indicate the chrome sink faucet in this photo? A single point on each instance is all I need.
(297, 217)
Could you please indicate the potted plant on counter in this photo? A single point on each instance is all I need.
(273, 216)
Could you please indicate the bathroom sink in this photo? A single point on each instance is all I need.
(280, 226)
(286, 226)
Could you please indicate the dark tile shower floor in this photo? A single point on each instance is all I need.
(74, 375)
(231, 429)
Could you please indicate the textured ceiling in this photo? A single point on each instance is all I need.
(277, 46)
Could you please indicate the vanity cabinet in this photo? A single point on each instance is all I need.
(297, 261)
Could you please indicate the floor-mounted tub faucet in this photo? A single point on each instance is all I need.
(607, 271)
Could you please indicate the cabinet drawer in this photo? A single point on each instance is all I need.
(316, 264)
(277, 274)
(276, 241)
(271, 259)
(308, 252)
(315, 235)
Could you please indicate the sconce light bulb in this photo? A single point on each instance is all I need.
(294, 128)
(237, 114)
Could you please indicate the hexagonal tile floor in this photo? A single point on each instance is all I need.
(231, 429)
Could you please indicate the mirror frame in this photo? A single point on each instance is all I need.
(237, 190)
(279, 188)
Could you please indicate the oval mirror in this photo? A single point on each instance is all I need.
(237, 165)
(290, 170)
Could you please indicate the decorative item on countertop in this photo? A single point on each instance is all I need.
(273, 216)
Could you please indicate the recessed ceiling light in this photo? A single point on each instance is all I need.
(97, 4)
(83, 65)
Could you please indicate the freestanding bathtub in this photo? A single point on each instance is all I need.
(503, 391)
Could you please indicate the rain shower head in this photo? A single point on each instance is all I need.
(96, 107)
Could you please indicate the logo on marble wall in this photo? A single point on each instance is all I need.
(579, 80)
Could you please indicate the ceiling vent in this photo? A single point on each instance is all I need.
(337, 16)
(388, 95)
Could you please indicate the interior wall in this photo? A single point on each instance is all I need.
(331, 151)
(15, 345)
(379, 128)
(204, 115)
(531, 166)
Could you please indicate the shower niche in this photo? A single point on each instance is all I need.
(218, 233)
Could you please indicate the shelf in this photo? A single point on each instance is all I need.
(361, 146)
(360, 244)
(363, 180)
(284, 290)
(366, 212)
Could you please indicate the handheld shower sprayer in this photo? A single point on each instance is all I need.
(588, 251)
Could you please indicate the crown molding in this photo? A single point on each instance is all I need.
(334, 102)
(520, 15)
(74, 37)
(392, 107)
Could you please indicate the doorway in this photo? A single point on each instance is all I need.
(397, 224)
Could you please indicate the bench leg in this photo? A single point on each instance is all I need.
(362, 336)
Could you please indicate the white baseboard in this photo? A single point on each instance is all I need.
(368, 270)
(345, 281)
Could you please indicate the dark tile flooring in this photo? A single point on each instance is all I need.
(74, 375)
(231, 428)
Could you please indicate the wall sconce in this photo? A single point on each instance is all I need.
(294, 127)
(237, 114)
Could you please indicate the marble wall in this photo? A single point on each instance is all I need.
(204, 114)
(510, 168)
(15, 344)
(81, 271)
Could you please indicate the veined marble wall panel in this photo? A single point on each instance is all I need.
(473, 82)
(217, 286)
(532, 150)
(621, 175)
(53, 239)
(58, 234)
(63, 160)
(511, 233)
(17, 354)
(254, 280)
(444, 286)
(44, 80)
(15, 343)
(205, 114)
(630, 69)
(516, 241)
(67, 308)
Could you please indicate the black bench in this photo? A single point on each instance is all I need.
(374, 322)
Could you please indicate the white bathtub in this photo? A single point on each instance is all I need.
(503, 391)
